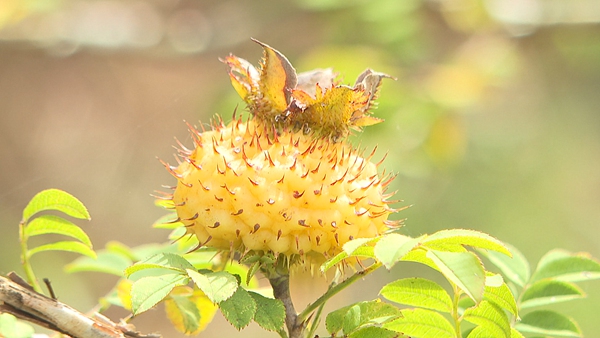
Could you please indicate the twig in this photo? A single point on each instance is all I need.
(34, 307)
(281, 291)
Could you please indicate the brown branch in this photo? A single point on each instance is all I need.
(26, 304)
(281, 291)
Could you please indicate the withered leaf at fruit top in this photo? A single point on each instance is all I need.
(307, 81)
(369, 82)
(277, 78)
(330, 111)
(312, 101)
(244, 77)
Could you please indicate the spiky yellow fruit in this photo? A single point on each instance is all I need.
(284, 181)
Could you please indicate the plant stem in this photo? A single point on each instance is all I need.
(336, 289)
(281, 290)
(25, 260)
(455, 315)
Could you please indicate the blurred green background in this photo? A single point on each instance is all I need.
(493, 123)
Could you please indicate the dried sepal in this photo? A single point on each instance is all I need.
(311, 101)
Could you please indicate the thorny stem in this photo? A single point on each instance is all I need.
(25, 260)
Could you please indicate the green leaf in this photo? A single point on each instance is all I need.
(239, 309)
(50, 224)
(464, 269)
(70, 246)
(363, 251)
(351, 317)
(483, 332)
(54, 199)
(566, 266)
(449, 240)
(422, 323)
(419, 255)
(515, 334)
(11, 327)
(501, 296)
(545, 322)
(163, 260)
(489, 316)
(515, 268)
(549, 291)
(242, 271)
(217, 286)
(106, 262)
(418, 292)
(354, 244)
(393, 247)
(148, 291)
(270, 313)
(374, 332)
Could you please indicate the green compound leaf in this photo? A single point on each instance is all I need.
(217, 286)
(374, 332)
(515, 268)
(545, 322)
(454, 240)
(422, 323)
(350, 318)
(566, 266)
(239, 309)
(418, 292)
(270, 313)
(549, 291)
(50, 224)
(491, 317)
(393, 247)
(464, 269)
(148, 291)
(106, 262)
(501, 296)
(515, 334)
(55, 199)
(163, 260)
(70, 246)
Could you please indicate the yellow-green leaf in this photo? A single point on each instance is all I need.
(189, 310)
(445, 239)
(55, 199)
(464, 269)
(70, 246)
(489, 316)
(148, 291)
(218, 286)
(422, 323)
(418, 292)
(50, 224)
